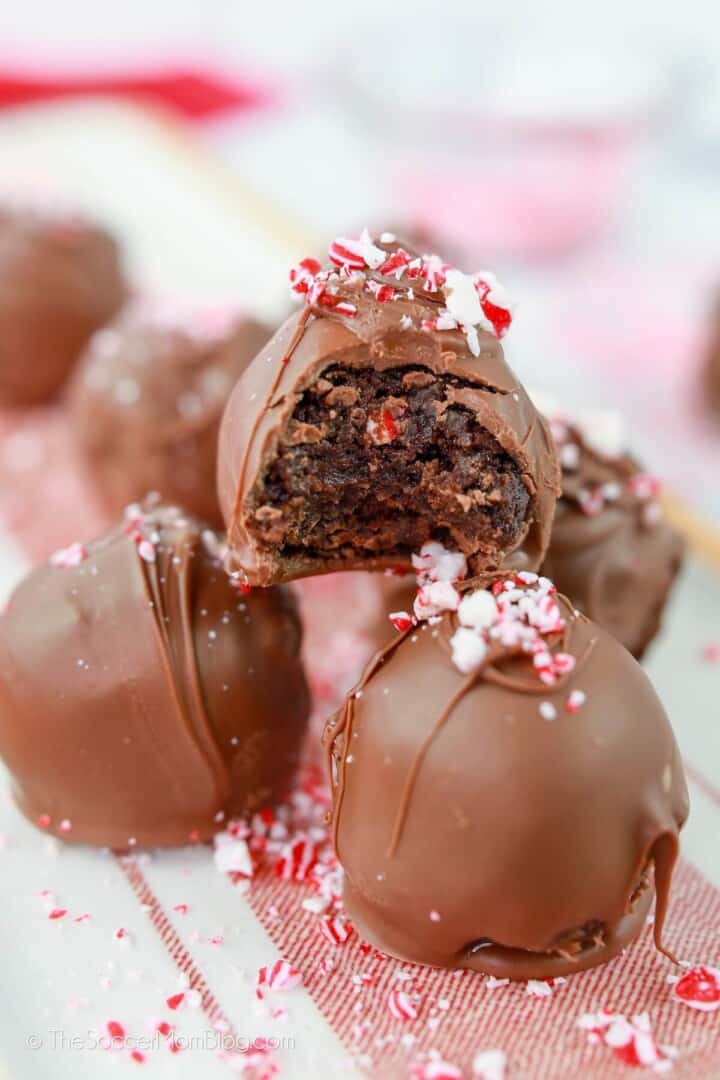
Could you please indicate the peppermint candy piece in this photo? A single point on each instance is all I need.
(699, 988)
(68, 557)
(232, 855)
(278, 976)
(297, 860)
(490, 1065)
(401, 620)
(435, 598)
(401, 1006)
(335, 929)
(435, 1070)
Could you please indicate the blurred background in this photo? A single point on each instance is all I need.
(573, 149)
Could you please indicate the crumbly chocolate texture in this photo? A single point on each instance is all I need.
(362, 430)
(611, 551)
(492, 822)
(146, 403)
(60, 280)
(144, 699)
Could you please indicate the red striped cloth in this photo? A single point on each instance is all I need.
(45, 503)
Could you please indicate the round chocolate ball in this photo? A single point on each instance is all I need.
(60, 279)
(379, 417)
(146, 403)
(610, 550)
(145, 699)
(507, 790)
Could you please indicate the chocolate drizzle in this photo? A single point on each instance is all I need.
(143, 698)
(493, 820)
(168, 580)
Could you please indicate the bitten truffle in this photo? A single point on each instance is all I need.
(382, 415)
(146, 403)
(610, 551)
(144, 698)
(507, 790)
(60, 280)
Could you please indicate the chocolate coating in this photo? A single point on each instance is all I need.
(60, 280)
(475, 833)
(146, 403)
(483, 473)
(611, 551)
(143, 699)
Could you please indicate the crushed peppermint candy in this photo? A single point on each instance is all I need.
(436, 563)
(232, 854)
(576, 700)
(435, 1070)
(520, 612)
(297, 860)
(489, 1065)
(699, 988)
(472, 302)
(278, 976)
(401, 620)
(67, 558)
(542, 988)
(631, 1040)
(525, 614)
(401, 1005)
(335, 929)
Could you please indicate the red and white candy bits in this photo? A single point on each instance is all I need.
(631, 1040)
(699, 988)
(278, 976)
(401, 1005)
(335, 929)
(68, 557)
(472, 302)
(435, 1070)
(490, 1065)
(297, 860)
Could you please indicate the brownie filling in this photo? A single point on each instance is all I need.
(374, 463)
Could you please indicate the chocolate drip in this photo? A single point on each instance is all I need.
(529, 837)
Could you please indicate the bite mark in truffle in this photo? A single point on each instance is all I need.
(377, 419)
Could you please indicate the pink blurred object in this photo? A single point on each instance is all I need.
(192, 93)
(520, 196)
(43, 496)
(511, 151)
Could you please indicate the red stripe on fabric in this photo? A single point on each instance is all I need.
(174, 945)
(540, 1036)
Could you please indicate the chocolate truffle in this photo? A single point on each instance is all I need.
(60, 279)
(146, 403)
(381, 415)
(610, 551)
(144, 699)
(507, 790)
